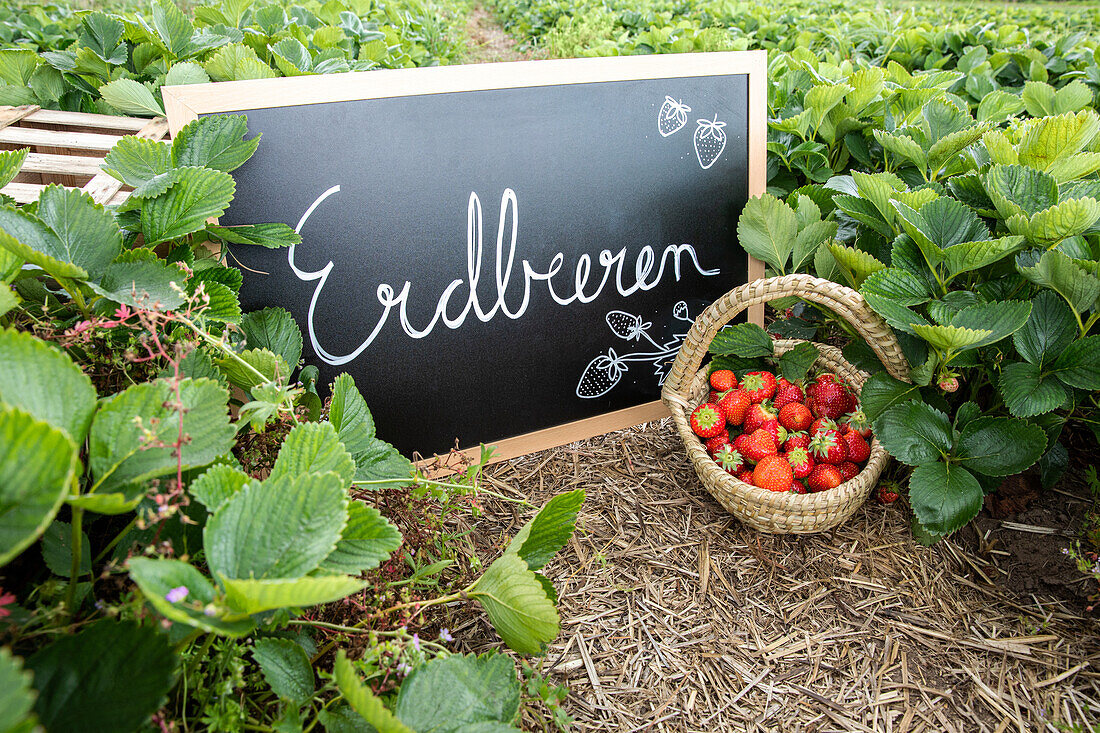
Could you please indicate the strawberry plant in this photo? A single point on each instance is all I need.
(134, 538)
(102, 61)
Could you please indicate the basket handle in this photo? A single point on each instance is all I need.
(843, 301)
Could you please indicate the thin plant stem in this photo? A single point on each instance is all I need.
(118, 538)
(77, 551)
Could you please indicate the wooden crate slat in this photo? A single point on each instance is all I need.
(84, 119)
(74, 165)
(11, 115)
(24, 193)
(54, 159)
(57, 138)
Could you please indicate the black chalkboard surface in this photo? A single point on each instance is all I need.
(498, 259)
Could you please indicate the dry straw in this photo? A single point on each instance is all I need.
(687, 387)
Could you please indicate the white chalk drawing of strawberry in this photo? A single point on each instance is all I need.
(710, 141)
(604, 372)
(672, 117)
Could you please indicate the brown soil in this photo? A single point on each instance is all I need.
(1025, 529)
(676, 617)
(488, 42)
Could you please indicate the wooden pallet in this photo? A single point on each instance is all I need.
(67, 148)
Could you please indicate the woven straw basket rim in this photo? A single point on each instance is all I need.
(687, 387)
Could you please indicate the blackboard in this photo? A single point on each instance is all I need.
(525, 179)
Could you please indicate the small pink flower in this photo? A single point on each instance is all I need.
(6, 599)
(177, 594)
(123, 312)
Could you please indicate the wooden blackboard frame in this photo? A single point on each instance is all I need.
(185, 103)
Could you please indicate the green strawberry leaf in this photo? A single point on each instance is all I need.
(1027, 392)
(746, 340)
(542, 537)
(281, 529)
(914, 433)
(1000, 446)
(286, 669)
(110, 676)
(944, 497)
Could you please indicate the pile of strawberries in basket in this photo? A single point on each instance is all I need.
(781, 436)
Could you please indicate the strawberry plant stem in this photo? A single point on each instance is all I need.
(78, 548)
(421, 605)
(74, 292)
(118, 538)
(447, 485)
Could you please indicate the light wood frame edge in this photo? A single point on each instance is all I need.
(185, 103)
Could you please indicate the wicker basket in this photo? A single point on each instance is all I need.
(687, 387)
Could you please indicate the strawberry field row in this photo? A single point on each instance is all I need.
(116, 62)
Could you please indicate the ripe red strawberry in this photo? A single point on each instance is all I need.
(786, 395)
(773, 473)
(713, 397)
(745, 475)
(848, 470)
(858, 422)
(772, 426)
(831, 400)
(757, 415)
(759, 444)
(822, 424)
(886, 493)
(781, 383)
(759, 386)
(739, 443)
(715, 443)
(729, 459)
(801, 462)
(823, 478)
(858, 449)
(795, 416)
(800, 439)
(829, 447)
(734, 405)
(722, 380)
(799, 487)
(707, 420)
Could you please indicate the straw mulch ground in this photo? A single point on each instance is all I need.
(675, 617)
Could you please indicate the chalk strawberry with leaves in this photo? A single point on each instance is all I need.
(672, 116)
(710, 141)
